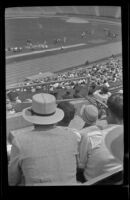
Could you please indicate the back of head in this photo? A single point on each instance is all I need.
(69, 112)
(115, 105)
(89, 114)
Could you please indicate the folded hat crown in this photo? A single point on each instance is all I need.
(43, 103)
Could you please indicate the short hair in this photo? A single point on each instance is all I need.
(115, 105)
(69, 111)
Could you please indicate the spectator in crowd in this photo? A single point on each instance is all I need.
(120, 91)
(47, 154)
(69, 112)
(99, 74)
(12, 96)
(115, 109)
(102, 94)
(67, 95)
(91, 90)
(17, 100)
(94, 156)
(89, 114)
(11, 111)
(115, 143)
(77, 93)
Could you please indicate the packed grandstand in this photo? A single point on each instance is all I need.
(108, 73)
(86, 84)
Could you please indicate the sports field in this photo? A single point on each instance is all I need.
(77, 50)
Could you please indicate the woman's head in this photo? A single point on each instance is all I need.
(69, 112)
(115, 108)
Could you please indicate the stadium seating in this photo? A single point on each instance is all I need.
(111, 178)
(102, 11)
(109, 12)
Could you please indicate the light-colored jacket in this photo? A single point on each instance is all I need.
(43, 157)
(94, 157)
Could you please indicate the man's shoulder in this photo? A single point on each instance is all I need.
(110, 127)
(70, 132)
(20, 133)
(88, 130)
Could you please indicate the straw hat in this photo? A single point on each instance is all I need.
(114, 141)
(89, 114)
(43, 111)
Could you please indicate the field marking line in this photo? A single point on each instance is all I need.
(45, 50)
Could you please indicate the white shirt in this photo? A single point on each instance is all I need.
(94, 156)
(102, 97)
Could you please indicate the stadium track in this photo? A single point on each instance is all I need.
(17, 72)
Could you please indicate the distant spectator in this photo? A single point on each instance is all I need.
(77, 94)
(9, 106)
(17, 100)
(33, 89)
(67, 95)
(102, 94)
(89, 114)
(11, 111)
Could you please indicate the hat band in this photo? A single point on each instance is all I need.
(38, 114)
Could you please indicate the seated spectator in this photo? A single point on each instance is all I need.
(12, 96)
(120, 91)
(9, 106)
(47, 154)
(17, 100)
(11, 111)
(67, 95)
(89, 114)
(77, 94)
(115, 143)
(102, 94)
(69, 112)
(33, 89)
(106, 84)
(94, 156)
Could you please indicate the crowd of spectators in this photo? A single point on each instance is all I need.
(98, 75)
(52, 153)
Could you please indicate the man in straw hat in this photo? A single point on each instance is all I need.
(94, 156)
(47, 154)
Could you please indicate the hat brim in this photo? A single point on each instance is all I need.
(114, 142)
(84, 117)
(42, 120)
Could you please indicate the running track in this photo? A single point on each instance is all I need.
(16, 72)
